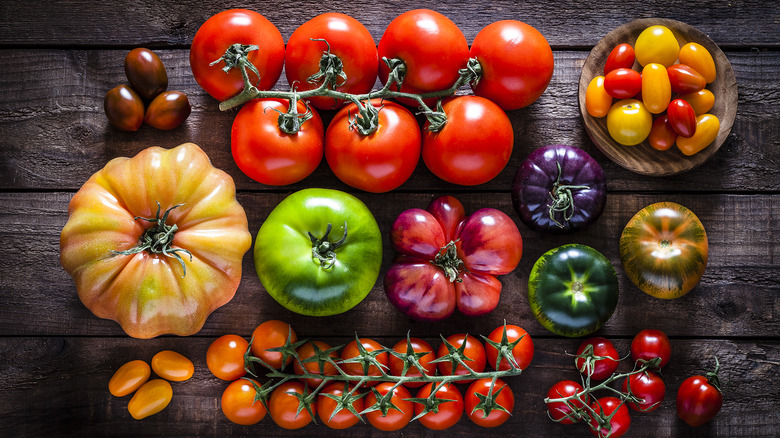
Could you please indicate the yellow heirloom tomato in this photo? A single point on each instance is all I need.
(628, 122)
(657, 44)
(155, 242)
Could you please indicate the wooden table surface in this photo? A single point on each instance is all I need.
(58, 59)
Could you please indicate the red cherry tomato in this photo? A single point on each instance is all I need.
(604, 360)
(225, 357)
(560, 411)
(622, 56)
(699, 399)
(647, 386)
(351, 351)
(239, 405)
(685, 79)
(523, 352)
(272, 334)
(662, 136)
(623, 83)
(449, 412)
(619, 419)
(649, 344)
(418, 346)
(474, 355)
(395, 419)
(502, 395)
(326, 405)
(306, 353)
(283, 405)
(682, 118)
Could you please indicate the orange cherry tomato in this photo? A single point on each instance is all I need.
(662, 136)
(597, 100)
(129, 377)
(702, 101)
(699, 59)
(150, 398)
(225, 357)
(272, 334)
(656, 88)
(172, 366)
(707, 127)
(657, 44)
(239, 405)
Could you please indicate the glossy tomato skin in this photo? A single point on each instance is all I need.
(378, 162)
(474, 146)
(474, 353)
(662, 136)
(168, 110)
(649, 387)
(449, 412)
(272, 334)
(346, 38)
(597, 100)
(306, 353)
(656, 88)
(283, 406)
(682, 118)
(619, 422)
(657, 44)
(239, 405)
(343, 419)
(172, 366)
(707, 128)
(700, 59)
(284, 258)
(418, 346)
(605, 360)
(573, 290)
(684, 79)
(225, 357)
(124, 108)
(145, 72)
(217, 34)
(560, 411)
(623, 83)
(517, 63)
(621, 56)
(267, 154)
(351, 350)
(503, 396)
(698, 400)
(150, 398)
(629, 122)
(664, 250)
(649, 344)
(129, 377)
(702, 101)
(523, 352)
(544, 181)
(394, 419)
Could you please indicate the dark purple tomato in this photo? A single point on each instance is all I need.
(124, 108)
(168, 110)
(146, 73)
(559, 189)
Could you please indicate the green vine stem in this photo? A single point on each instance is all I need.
(562, 199)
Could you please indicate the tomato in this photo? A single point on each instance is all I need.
(699, 398)
(657, 44)
(402, 365)
(139, 272)
(129, 377)
(168, 110)
(172, 366)
(517, 63)
(623, 83)
(664, 250)
(394, 417)
(150, 398)
(319, 252)
(662, 136)
(220, 32)
(273, 334)
(347, 39)
(124, 108)
(473, 354)
(474, 146)
(225, 357)
(146, 73)
(267, 154)
(431, 47)
(629, 122)
(239, 405)
(310, 355)
(380, 161)
(444, 415)
(337, 396)
(482, 413)
(597, 358)
(702, 101)
(560, 411)
(698, 58)
(522, 352)
(597, 100)
(621, 56)
(656, 88)
(573, 290)
(684, 79)
(357, 367)
(707, 128)
(285, 409)
(648, 387)
(681, 117)
(614, 419)
(649, 344)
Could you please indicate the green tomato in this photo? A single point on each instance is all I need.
(573, 290)
(319, 252)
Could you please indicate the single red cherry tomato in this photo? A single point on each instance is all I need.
(662, 136)
(225, 357)
(239, 405)
(394, 419)
(448, 413)
(649, 344)
(699, 398)
(351, 351)
(682, 118)
(523, 352)
(329, 398)
(284, 406)
(307, 355)
(647, 386)
(501, 393)
(397, 365)
(685, 79)
(474, 355)
(272, 334)
(623, 83)
(597, 357)
(560, 411)
(616, 415)
(622, 56)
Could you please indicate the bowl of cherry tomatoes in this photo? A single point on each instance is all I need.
(658, 97)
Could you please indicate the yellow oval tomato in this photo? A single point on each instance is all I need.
(129, 377)
(702, 101)
(165, 274)
(694, 55)
(628, 122)
(173, 366)
(657, 44)
(150, 399)
(707, 127)
(597, 100)
(656, 88)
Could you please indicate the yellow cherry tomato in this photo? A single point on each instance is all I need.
(171, 365)
(150, 398)
(129, 377)
(597, 100)
(702, 101)
(628, 122)
(656, 88)
(695, 56)
(707, 127)
(657, 44)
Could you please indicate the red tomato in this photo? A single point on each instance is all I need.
(239, 404)
(622, 56)
(272, 334)
(623, 83)
(268, 155)
(360, 368)
(378, 162)
(283, 406)
(395, 418)
(449, 412)
(330, 397)
(684, 79)
(473, 355)
(647, 386)
(649, 344)
(397, 365)
(474, 146)
(560, 411)
(682, 118)
(225, 357)
(523, 351)
(662, 136)
(699, 399)
(221, 31)
(601, 361)
(501, 394)
(307, 353)
(614, 425)
(346, 38)
(517, 63)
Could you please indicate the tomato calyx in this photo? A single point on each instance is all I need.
(237, 56)
(290, 121)
(324, 250)
(447, 259)
(505, 349)
(562, 199)
(345, 401)
(455, 355)
(366, 120)
(589, 358)
(488, 402)
(411, 358)
(331, 69)
(430, 403)
(366, 358)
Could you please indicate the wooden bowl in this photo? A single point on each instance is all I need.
(642, 158)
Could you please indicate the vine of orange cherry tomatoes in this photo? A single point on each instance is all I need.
(433, 50)
(339, 405)
(671, 86)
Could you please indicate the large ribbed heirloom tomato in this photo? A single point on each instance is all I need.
(155, 242)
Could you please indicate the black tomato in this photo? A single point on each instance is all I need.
(124, 108)
(168, 110)
(146, 73)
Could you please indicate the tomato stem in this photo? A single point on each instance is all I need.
(562, 199)
(447, 259)
(324, 250)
